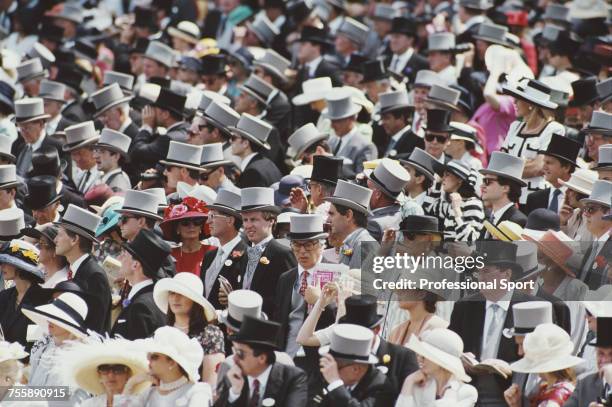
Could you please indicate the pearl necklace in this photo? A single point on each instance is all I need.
(173, 385)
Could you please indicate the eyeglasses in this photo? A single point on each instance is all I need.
(308, 245)
(193, 221)
(116, 369)
(240, 354)
(214, 216)
(439, 139)
(124, 219)
(489, 181)
(590, 209)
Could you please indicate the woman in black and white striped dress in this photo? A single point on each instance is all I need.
(459, 210)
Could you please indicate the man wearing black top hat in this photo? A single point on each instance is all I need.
(313, 42)
(213, 73)
(43, 199)
(405, 60)
(141, 260)
(586, 98)
(437, 133)
(326, 171)
(596, 387)
(559, 164)
(472, 13)
(256, 377)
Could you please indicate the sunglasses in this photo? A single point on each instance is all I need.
(195, 222)
(489, 181)
(590, 209)
(439, 139)
(116, 369)
(124, 219)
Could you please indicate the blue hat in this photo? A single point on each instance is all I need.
(190, 63)
(110, 219)
(288, 182)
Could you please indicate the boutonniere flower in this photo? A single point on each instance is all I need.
(386, 358)
(268, 402)
(264, 260)
(126, 302)
(347, 252)
(237, 253)
(600, 261)
(228, 263)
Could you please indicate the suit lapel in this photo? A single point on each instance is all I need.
(274, 383)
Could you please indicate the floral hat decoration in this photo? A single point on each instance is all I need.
(24, 256)
(188, 208)
(11, 351)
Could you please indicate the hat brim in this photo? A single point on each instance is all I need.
(80, 144)
(224, 209)
(226, 319)
(280, 75)
(492, 40)
(78, 230)
(599, 130)
(179, 164)
(37, 75)
(59, 318)
(439, 357)
(257, 208)
(504, 175)
(602, 167)
(243, 133)
(348, 203)
(306, 236)
(101, 110)
(86, 373)
(216, 164)
(543, 366)
(512, 332)
(253, 94)
(167, 225)
(174, 32)
(376, 321)
(495, 232)
(394, 108)
(63, 101)
(19, 120)
(444, 105)
(112, 148)
(304, 99)
(28, 198)
(595, 201)
(424, 171)
(325, 350)
(37, 273)
(575, 187)
(523, 96)
(393, 195)
(139, 213)
(300, 151)
(11, 184)
(167, 285)
(354, 111)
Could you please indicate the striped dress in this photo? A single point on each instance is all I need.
(467, 228)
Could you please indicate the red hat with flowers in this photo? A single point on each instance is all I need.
(188, 208)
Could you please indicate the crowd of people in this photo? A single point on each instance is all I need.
(191, 194)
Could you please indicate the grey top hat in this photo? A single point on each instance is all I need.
(30, 69)
(384, 12)
(5, 150)
(125, 81)
(257, 88)
(241, 303)
(422, 161)
(29, 110)
(114, 141)
(393, 100)
(604, 161)
(352, 196)
(527, 316)
(80, 221)
(183, 155)
(426, 78)
(52, 90)
(108, 97)
(263, 29)
(305, 227)
(352, 343)
(507, 166)
(604, 90)
(493, 33)
(160, 52)
(80, 135)
(221, 115)
(11, 223)
(71, 12)
(354, 31)
(340, 105)
(140, 203)
(160, 195)
(556, 12)
(441, 42)
(40, 51)
(257, 199)
(445, 96)
(212, 156)
(476, 4)
(8, 176)
(551, 32)
(304, 137)
(601, 193)
(227, 201)
(275, 63)
(254, 129)
(208, 97)
(390, 177)
(601, 122)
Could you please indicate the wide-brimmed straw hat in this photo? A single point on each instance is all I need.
(186, 284)
(68, 311)
(23, 256)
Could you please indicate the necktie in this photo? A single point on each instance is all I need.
(554, 203)
(490, 345)
(213, 272)
(24, 160)
(254, 253)
(70, 275)
(395, 63)
(338, 146)
(304, 282)
(84, 180)
(589, 338)
(254, 401)
(586, 268)
(390, 146)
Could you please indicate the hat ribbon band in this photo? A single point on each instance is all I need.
(341, 355)
(232, 320)
(536, 94)
(70, 311)
(523, 330)
(256, 206)
(305, 235)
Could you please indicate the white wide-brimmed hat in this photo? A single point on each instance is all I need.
(68, 311)
(547, 349)
(176, 345)
(531, 91)
(442, 347)
(313, 90)
(185, 30)
(186, 284)
(581, 181)
(11, 351)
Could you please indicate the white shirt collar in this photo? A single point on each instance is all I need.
(246, 161)
(36, 145)
(263, 381)
(126, 123)
(226, 248)
(504, 302)
(264, 241)
(313, 65)
(399, 134)
(402, 59)
(139, 286)
(499, 213)
(77, 263)
(603, 238)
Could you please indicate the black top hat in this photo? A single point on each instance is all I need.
(315, 35)
(213, 65)
(419, 224)
(562, 148)
(543, 219)
(566, 43)
(403, 25)
(48, 231)
(85, 49)
(361, 310)
(7, 96)
(498, 253)
(355, 63)
(50, 31)
(604, 333)
(374, 71)
(585, 92)
(438, 120)
(326, 169)
(64, 57)
(70, 77)
(257, 332)
(150, 250)
(144, 17)
(171, 101)
(46, 161)
(140, 46)
(299, 10)
(42, 192)
(466, 100)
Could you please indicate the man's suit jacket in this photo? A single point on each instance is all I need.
(373, 390)
(355, 152)
(70, 196)
(265, 279)
(278, 114)
(286, 386)
(402, 362)
(234, 272)
(597, 271)
(537, 199)
(416, 63)
(140, 318)
(383, 218)
(513, 214)
(588, 390)
(131, 131)
(260, 172)
(92, 279)
(148, 149)
(19, 146)
(406, 144)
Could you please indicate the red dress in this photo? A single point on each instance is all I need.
(557, 393)
(190, 262)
